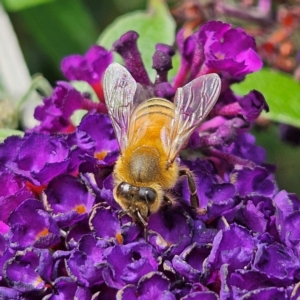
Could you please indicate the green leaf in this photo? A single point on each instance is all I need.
(60, 28)
(6, 132)
(77, 116)
(84, 87)
(38, 83)
(286, 157)
(155, 25)
(281, 92)
(15, 5)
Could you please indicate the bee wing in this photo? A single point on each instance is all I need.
(193, 102)
(122, 94)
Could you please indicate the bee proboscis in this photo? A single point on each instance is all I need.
(151, 133)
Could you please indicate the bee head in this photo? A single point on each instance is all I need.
(136, 200)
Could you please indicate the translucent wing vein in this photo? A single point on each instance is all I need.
(193, 102)
(119, 92)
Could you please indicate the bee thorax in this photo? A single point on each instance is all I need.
(144, 164)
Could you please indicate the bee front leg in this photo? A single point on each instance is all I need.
(121, 214)
(141, 219)
(192, 187)
(144, 223)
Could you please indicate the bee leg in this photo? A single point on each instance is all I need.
(192, 187)
(144, 223)
(121, 214)
(146, 234)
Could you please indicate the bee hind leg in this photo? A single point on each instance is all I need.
(192, 186)
(193, 190)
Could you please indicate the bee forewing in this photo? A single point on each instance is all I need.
(121, 93)
(193, 102)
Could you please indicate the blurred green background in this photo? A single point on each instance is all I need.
(48, 30)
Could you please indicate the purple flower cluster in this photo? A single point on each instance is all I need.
(61, 235)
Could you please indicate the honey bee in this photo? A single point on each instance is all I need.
(151, 133)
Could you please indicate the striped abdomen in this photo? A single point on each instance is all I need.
(145, 162)
(148, 119)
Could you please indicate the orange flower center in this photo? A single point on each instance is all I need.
(119, 238)
(43, 233)
(100, 155)
(81, 209)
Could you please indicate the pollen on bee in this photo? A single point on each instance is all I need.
(119, 238)
(43, 232)
(100, 155)
(81, 209)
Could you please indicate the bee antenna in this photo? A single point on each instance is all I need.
(145, 224)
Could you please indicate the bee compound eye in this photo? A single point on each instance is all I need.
(150, 195)
(123, 188)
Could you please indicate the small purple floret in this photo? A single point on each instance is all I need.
(126, 46)
(13, 192)
(69, 200)
(45, 232)
(90, 67)
(218, 39)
